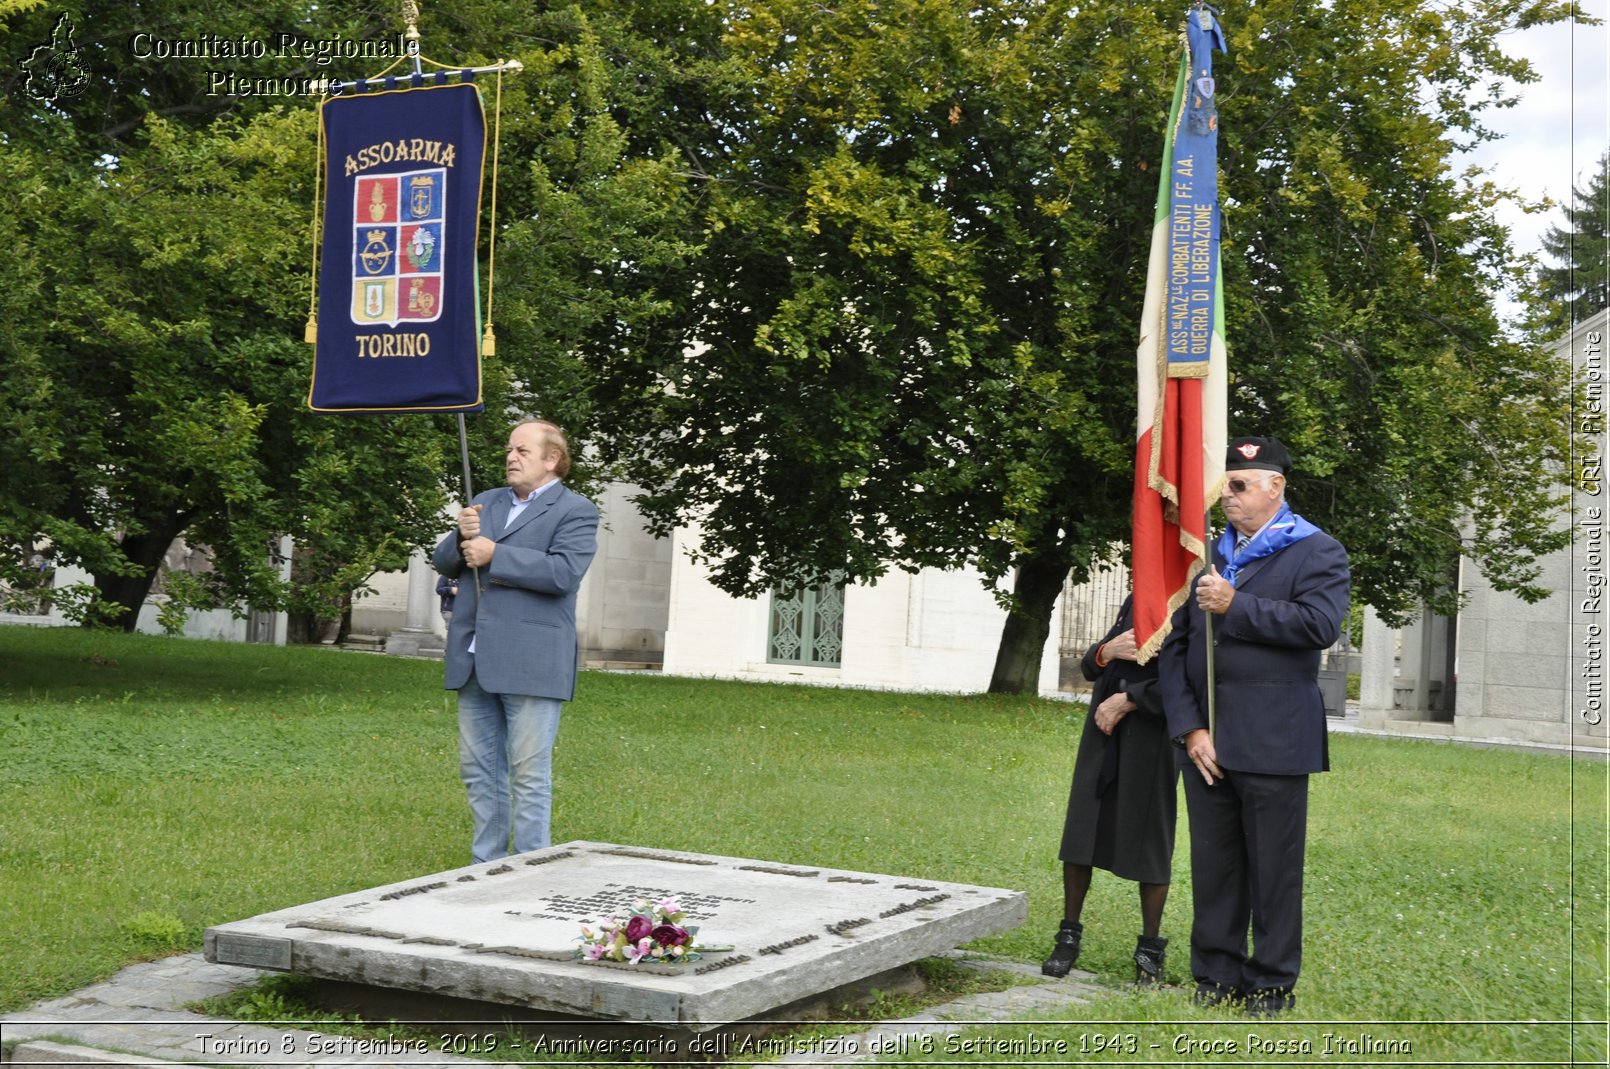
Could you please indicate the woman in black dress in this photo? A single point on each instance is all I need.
(1122, 804)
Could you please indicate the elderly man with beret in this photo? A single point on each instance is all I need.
(1274, 599)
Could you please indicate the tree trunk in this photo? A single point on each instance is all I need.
(1017, 661)
(146, 551)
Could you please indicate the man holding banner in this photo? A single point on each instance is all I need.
(1277, 596)
(519, 553)
(1239, 650)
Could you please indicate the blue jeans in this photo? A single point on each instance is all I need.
(505, 756)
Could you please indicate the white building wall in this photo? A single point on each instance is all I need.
(1536, 672)
(213, 624)
(933, 631)
(383, 608)
(623, 607)
(1526, 672)
(1515, 659)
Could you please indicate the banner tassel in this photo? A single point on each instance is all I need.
(310, 333)
(489, 342)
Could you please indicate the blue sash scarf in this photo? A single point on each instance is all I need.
(1287, 527)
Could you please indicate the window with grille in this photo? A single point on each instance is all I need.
(807, 626)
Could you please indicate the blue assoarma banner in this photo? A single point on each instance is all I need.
(399, 326)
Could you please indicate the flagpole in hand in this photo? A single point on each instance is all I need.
(1212, 686)
(469, 493)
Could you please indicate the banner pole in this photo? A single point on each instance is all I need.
(469, 489)
(1212, 685)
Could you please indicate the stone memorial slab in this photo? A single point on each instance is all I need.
(507, 932)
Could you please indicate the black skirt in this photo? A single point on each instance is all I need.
(1123, 821)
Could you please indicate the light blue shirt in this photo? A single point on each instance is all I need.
(520, 506)
(515, 509)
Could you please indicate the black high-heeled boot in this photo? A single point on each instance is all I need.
(1149, 954)
(1066, 951)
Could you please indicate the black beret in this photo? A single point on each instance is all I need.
(1265, 454)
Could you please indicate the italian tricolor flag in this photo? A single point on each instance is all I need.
(1180, 426)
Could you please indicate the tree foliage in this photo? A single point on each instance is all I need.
(153, 378)
(924, 237)
(1579, 279)
(851, 287)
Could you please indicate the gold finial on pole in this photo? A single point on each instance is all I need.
(410, 17)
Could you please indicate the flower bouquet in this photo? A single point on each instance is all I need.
(652, 934)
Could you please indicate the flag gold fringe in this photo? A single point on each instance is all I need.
(489, 345)
(310, 333)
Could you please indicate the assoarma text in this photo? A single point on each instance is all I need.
(382, 345)
(402, 150)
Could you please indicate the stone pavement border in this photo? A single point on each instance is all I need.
(1436, 732)
(135, 1019)
(139, 1010)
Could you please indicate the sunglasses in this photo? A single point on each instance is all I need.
(1239, 486)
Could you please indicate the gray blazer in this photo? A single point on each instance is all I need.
(523, 620)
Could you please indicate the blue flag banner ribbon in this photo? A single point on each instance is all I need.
(399, 323)
(1193, 214)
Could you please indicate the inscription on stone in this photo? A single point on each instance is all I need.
(616, 900)
(260, 952)
(420, 889)
(655, 855)
(722, 963)
(907, 907)
(778, 948)
(778, 870)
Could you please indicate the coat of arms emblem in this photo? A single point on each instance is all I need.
(397, 263)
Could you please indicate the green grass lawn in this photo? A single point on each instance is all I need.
(152, 787)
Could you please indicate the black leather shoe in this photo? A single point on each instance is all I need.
(1270, 1002)
(1065, 953)
(1149, 953)
(1210, 994)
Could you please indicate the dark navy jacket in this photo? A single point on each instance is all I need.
(1288, 608)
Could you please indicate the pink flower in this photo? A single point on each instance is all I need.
(668, 906)
(636, 952)
(593, 951)
(638, 928)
